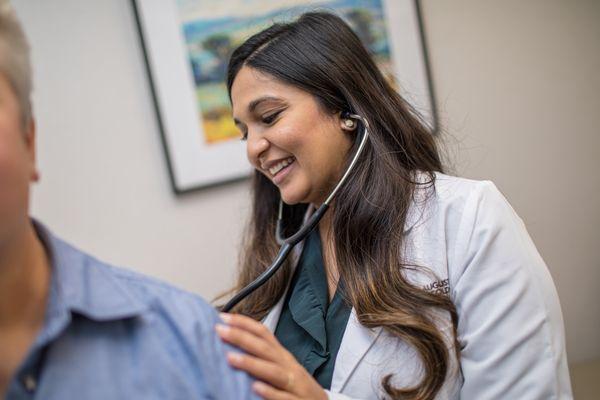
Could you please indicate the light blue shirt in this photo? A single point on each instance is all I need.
(114, 334)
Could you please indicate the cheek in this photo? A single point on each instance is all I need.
(15, 168)
(14, 186)
(290, 137)
(330, 158)
(315, 149)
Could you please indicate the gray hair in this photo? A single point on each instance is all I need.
(15, 62)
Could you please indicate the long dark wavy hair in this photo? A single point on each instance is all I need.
(320, 54)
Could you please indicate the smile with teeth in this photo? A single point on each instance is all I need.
(280, 165)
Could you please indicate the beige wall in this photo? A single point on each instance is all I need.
(518, 84)
(517, 87)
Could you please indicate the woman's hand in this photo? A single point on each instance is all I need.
(280, 376)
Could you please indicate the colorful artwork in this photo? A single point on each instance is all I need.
(186, 45)
(213, 29)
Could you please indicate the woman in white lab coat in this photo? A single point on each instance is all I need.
(416, 284)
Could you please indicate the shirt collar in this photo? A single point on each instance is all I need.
(83, 285)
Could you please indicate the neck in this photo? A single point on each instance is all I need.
(24, 280)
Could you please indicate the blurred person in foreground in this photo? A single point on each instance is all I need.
(70, 325)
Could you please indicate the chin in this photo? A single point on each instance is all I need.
(290, 201)
(292, 197)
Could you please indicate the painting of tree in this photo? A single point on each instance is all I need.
(211, 38)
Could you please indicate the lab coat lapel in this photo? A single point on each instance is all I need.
(355, 344)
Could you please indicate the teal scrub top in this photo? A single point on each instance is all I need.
(310, 327)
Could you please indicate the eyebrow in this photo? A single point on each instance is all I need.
(255, 103)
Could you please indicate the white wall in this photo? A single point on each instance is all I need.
(517, 85)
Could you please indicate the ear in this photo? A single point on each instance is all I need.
(30, 144)
(347, 124)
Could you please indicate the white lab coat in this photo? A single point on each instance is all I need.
(510, 327)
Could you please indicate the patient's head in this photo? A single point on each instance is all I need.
(17, 132)
(15, 64)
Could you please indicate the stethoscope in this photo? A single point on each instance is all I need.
(287, 244)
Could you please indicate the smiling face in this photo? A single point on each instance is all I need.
(291, 139)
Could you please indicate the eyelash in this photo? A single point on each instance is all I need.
(268, 120)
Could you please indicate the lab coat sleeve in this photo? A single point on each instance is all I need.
(510, 326)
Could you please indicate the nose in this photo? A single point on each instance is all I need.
(256, 146)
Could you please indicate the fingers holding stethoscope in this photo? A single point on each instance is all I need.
(280, 375)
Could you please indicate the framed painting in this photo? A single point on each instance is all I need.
(187, 44)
